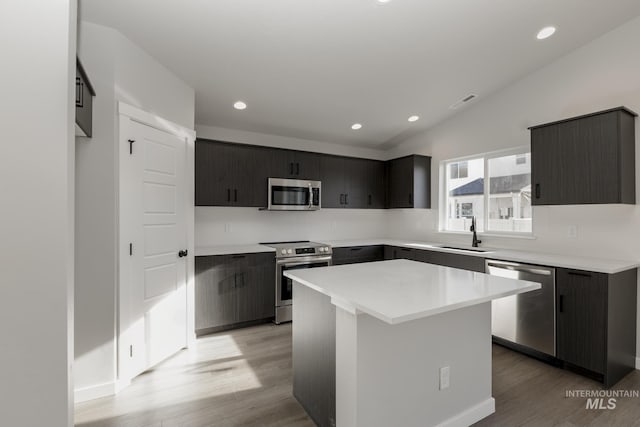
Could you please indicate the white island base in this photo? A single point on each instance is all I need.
(370, 342)
(389, 375)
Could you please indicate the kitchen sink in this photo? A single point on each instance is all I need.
(465, 249)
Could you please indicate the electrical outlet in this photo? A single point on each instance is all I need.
(572, 231)
(444, 378)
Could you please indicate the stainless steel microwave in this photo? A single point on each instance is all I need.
(293, 195)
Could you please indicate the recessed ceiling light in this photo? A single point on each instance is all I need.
(356, 126)
(413, 118)
(239, 105)
(545, 33)
(383, 1)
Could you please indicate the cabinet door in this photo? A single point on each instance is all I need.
(333, 181)
(341, 256)
(249, 174)
(546, 155)
(306, 165)
(279, 163)
(406, 253)
(213, 174)
(357, 186)
(581, 318)
(388, 252)
(229, 175)
(595, 171)
(464, 262)
(255, 286)
(400, 184)
(357, 254)
(375, 178)
(215, 293)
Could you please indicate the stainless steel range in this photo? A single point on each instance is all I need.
(294, 256)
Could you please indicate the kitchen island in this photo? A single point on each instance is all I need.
(395, 343)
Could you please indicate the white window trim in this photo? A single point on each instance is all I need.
(442, 209)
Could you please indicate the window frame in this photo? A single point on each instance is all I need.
(442, 211)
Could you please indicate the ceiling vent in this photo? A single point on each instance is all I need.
(463, 101)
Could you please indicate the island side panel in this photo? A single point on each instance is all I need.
(314, 354)
(395, 377)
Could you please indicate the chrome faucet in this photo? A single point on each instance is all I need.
(475, 243)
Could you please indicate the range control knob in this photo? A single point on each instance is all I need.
(326, 249)
(284, 252)
(289, 251)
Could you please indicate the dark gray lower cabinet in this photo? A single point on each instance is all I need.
(357, 254)
(464, 262)
(596, 322)
(233, 289)
(397, 252)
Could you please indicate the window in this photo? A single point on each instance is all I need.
(459, 170)
(495, 188)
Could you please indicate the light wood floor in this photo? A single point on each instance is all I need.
(243, 378)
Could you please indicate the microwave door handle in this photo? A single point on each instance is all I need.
(310, 197)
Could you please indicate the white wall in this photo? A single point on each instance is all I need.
(602, 74)
(36, 182)
(254, 138)
(119, 71)
(229, 225)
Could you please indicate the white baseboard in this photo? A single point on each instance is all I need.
(94, 392)
(471, 415)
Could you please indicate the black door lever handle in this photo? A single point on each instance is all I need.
(183, 253)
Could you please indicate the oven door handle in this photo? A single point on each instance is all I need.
(296, 263)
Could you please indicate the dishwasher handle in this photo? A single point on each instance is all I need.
(525, 269)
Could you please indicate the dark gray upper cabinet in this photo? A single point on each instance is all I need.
(84, 102)
(349, 182)
(293, 164)
(232, 289)
(409, 182)
(585, 160)
(230, 174)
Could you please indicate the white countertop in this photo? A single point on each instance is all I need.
(598, 265)
(400, 290)
(231, 249)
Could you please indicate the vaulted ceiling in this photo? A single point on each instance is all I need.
(312, 68)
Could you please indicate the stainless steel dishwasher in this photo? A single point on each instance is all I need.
(527, 319)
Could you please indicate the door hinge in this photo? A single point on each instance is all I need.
(130, 249)
(131, 141)
(131, 351)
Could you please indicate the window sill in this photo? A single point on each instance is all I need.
(525, 236)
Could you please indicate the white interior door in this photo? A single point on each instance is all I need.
(153, 300)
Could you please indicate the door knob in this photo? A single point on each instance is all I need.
(183, 253)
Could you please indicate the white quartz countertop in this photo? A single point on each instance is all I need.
(400, 290)
(231, 249)
(599, 265)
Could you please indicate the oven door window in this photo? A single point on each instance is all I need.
(289, 196)
(287, 284)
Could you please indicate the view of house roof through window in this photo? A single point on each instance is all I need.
(496, 189)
